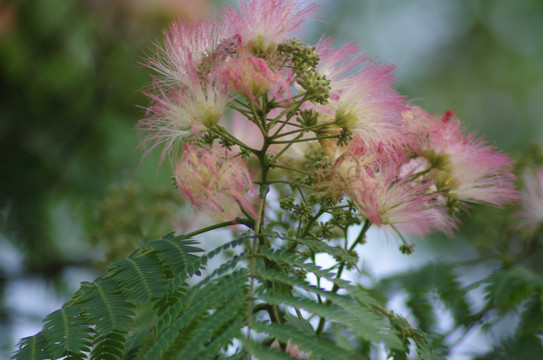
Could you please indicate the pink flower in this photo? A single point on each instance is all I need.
(177, 114)
(215, 182)
(369, 107)
(388, 191)
(362, 99)
(386, 194)
(341, 65)
(191, 48)
(186, 96)
(263, 24)
(464, 167)
(531, 213)
(252, 77)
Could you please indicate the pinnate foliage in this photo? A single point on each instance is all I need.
(105, 319)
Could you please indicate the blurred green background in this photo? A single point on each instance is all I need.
(74, 192)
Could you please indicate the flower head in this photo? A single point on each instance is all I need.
(369, 107)
(362, 99)
(252, 77)
(189, 48)
(180, 112)
(263, 24)
(388, 191)
(388, 197)
(187, 98)
(464, 167)
(341, 65)
(215, 182)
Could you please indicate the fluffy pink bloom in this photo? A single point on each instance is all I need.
(263, 24)
(186, 96)
(464, 166)
(180, 112)
(190, 48)
(341, 65)
(362, 98)
(252, 77)
(531, 213)
(215, 182)
(388, 191)
(369, 107)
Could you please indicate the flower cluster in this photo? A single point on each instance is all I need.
(329, 113)
(216, 182)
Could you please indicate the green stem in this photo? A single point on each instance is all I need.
(258, 238)
(291, 169)
(310, 223)
(306, 139)
(286, 111)
(234, 140)
(305, 129)
(247, 222)
(239, 109)
(285, 148)
(287, 183)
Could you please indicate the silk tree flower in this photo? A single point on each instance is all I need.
(531, 213)
(177, 114)
(387, 191)
(339, 66)
(186, 96)
(252, 77)
(263, 24)
(189, 48)
(464, 167)
(369, 107)
(216, 182)
(362, 98)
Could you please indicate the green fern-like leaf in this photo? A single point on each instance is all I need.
(531, 321)
(32, 348)
(67, 333)
(508, 288)
(223, 269)
(109, 347)
(231, 244)
(299, 324)
(321, 247)
(107, 307)
(224, 338)
(424, 350)
(177, 253)
(197, 302)
(141, 278)
(357, 317)
(438, 279)
(292, 261)
(209, 328)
